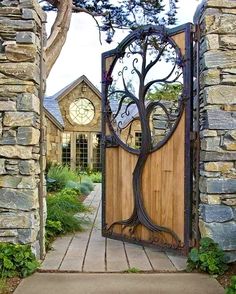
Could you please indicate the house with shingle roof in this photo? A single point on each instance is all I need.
(73, 125)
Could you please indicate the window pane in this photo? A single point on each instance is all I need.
(81, 151)
(138, 140)
(82, 111)
(96, 139)
(66, 144)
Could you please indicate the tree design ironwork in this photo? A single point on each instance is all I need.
(135, 73)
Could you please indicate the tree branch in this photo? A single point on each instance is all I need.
(58, 34)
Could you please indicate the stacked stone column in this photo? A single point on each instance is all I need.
(20, 26)
(217, 100)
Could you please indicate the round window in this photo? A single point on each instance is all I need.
(82, 111)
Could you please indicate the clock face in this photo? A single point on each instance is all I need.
(82, 111)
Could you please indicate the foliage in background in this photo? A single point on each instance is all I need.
(62, 208)
(168, 92)
(58, 176)
(232, 288)
(209, 258)
(96, 177)
(16, 260)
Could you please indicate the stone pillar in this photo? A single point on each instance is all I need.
(217, 100)
(20, 26)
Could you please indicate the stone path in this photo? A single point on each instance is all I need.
(88, 251)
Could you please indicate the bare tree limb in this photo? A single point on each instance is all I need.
(58, 34)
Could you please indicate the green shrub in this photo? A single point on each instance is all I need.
(84, 189)
(53, 229)
(208, 258)
(72, 185)
(96, 177)
(67, 200)
(16, 260)
(61, 209)
(87, 182)
(232, 288)
(58, 176)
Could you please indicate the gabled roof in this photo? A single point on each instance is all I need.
(53, 119)
(59, 95)
(51, 105)
(52, 108)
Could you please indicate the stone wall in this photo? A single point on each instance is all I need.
(20, 26)
(54, 142)
(218, 122)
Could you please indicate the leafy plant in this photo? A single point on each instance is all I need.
(208, 258)
(133, 270)
(16, 260)
(168, 92)
(72, 185)
(232, 288)
(61, 209)
(87, 182)
(96, 177)
(53, 229)
(3, 285)
(58, 176)
(84, 189)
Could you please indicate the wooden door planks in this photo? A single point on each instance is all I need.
(162, 185)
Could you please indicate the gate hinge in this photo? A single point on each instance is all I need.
(197, 33)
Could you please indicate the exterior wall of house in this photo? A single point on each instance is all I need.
(54, 142)
(128, 134)
(72, 128)
(20, 27)
(217, 19)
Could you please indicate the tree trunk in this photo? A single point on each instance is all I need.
(58, 34)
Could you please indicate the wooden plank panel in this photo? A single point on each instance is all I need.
(167, 188)
(178, 181)
(110, 184)
(147, 190)
(119, 193)
(180, 41)
(163, 186)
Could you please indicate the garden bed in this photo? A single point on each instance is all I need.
(224, 279)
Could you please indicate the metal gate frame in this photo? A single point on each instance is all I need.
(188, 29)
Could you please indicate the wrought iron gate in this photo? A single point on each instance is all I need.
(146, 126)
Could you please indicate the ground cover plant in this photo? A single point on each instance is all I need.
(58, 176)
(96, 177)
(67, 189)
(209, 258)
(232, 287)
(62, 210)
(16, 260)
(61, 176)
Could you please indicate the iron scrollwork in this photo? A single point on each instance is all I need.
(136, 74)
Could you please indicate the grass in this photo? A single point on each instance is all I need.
(58, 176)
(96, 177)
(3, 286)
(62, 208)
(133, 270)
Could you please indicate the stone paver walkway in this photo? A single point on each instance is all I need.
(88, 251)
